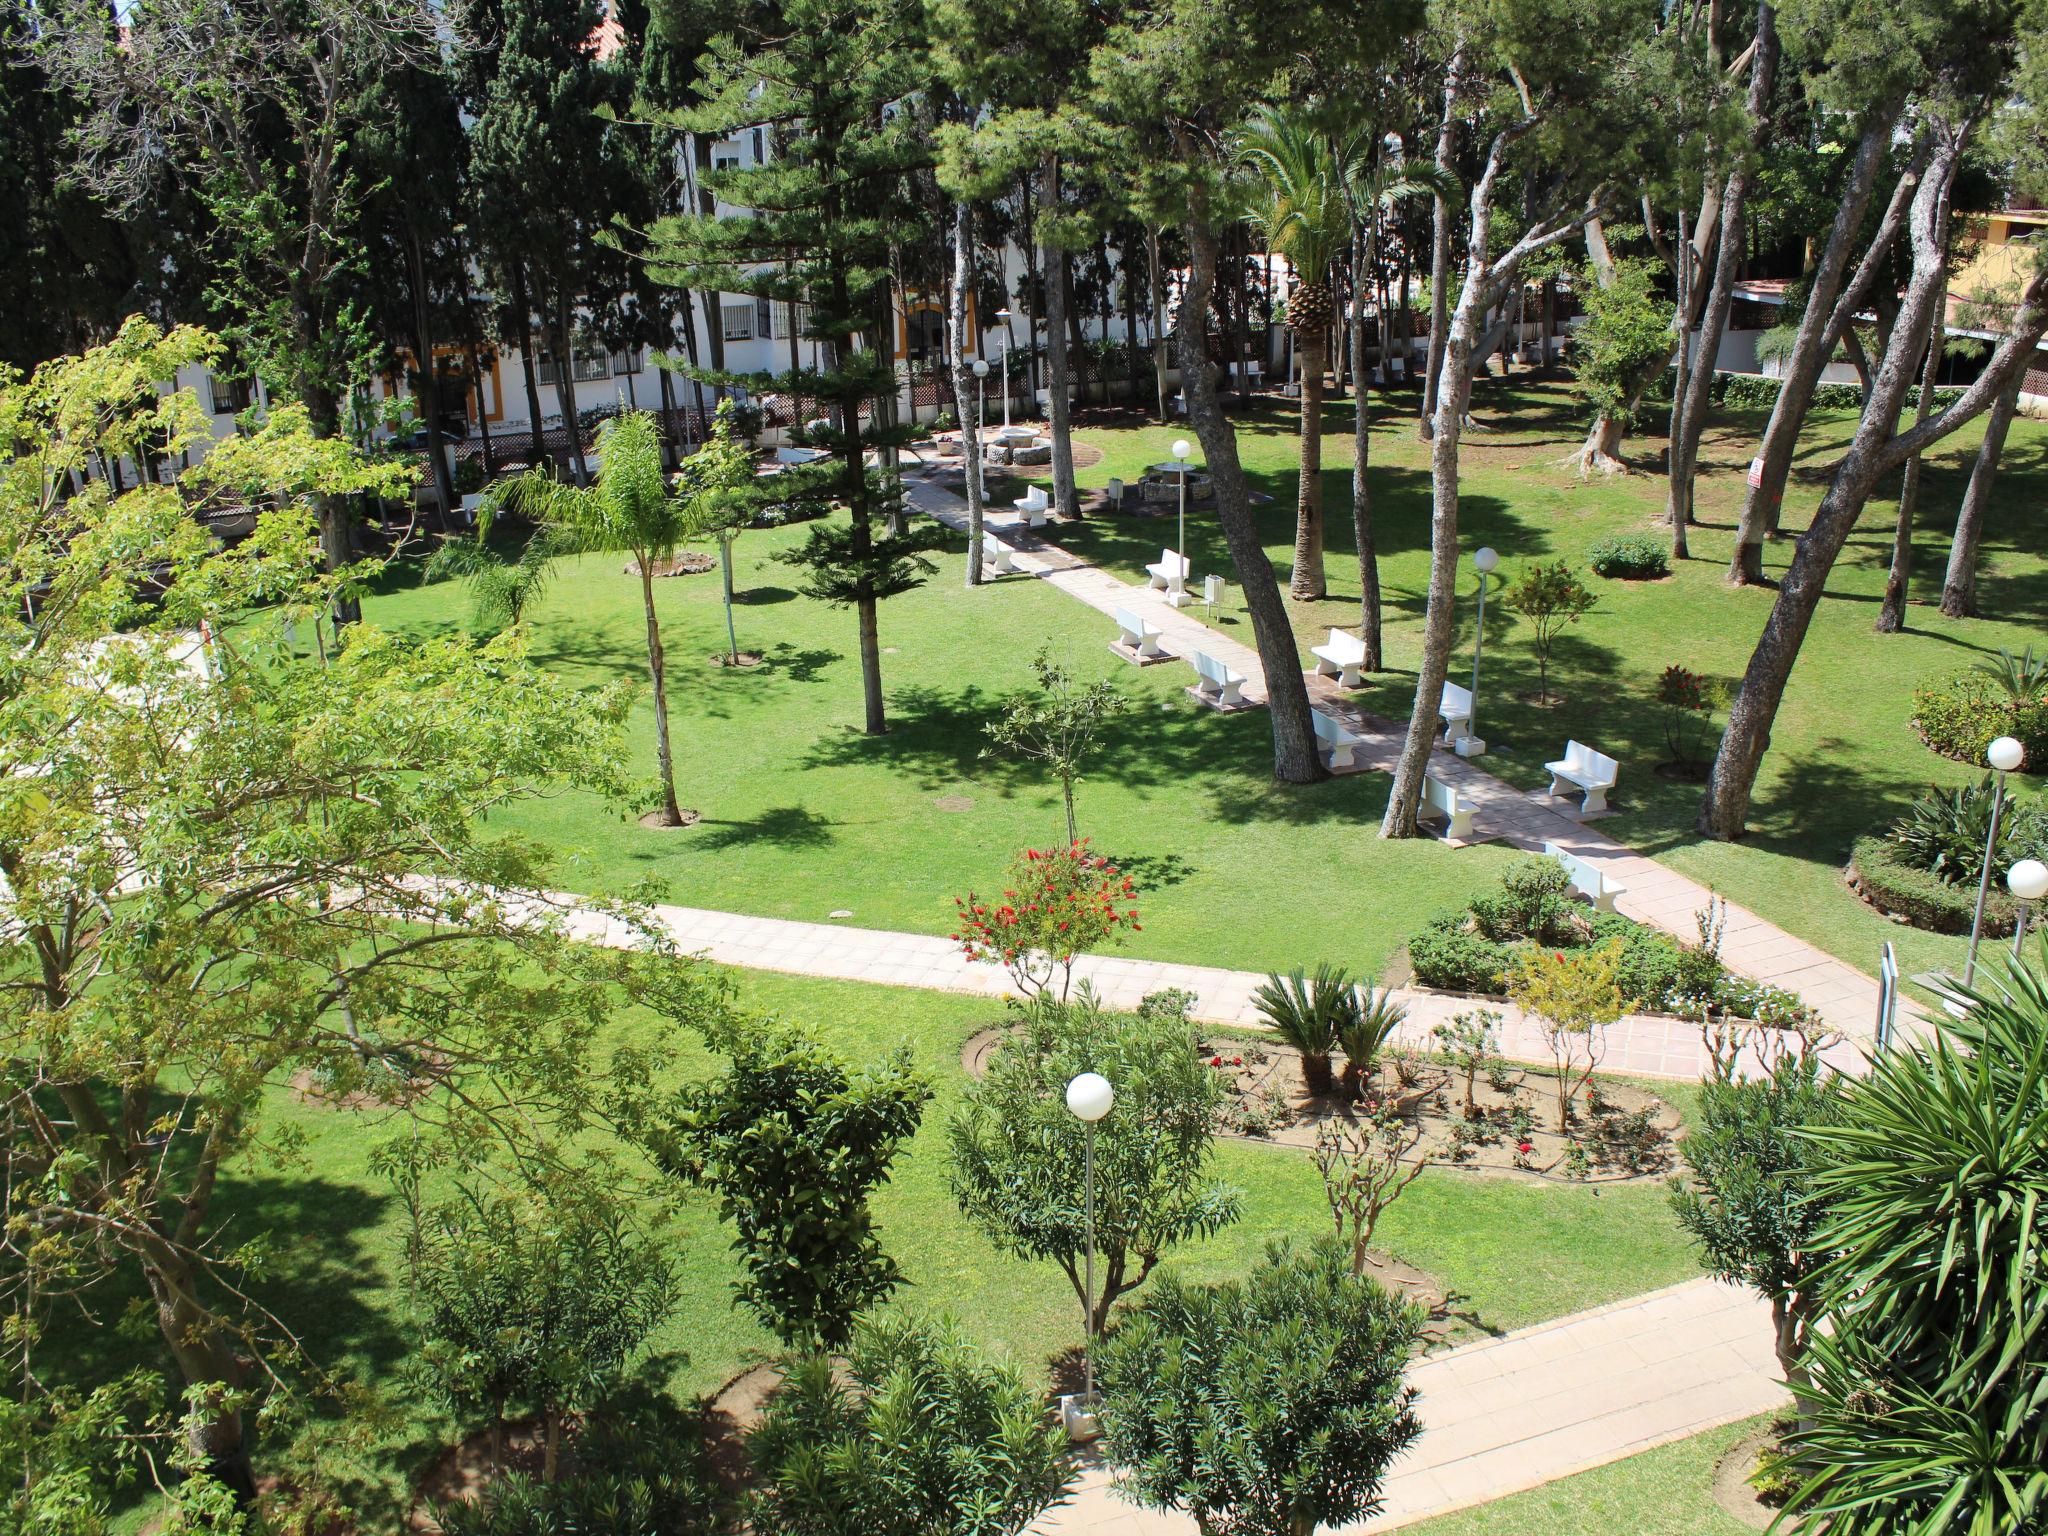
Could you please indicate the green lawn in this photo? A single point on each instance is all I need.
(1513, 1253)
(1844, 759)
(1664, 1492)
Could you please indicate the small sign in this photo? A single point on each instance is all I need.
(1756, 471)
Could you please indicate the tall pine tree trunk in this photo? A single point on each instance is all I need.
(1059, 413)
(1959, 586)
(966, 398)
(1440, 247)
(1158, 285)
(1296, 759)
(537, 451)
(1361, 448)
(565, 389)
(429, 375)
(1810, 352)
(1891, 612)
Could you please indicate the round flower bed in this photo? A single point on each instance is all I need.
(1884, 878)
(1962, 715)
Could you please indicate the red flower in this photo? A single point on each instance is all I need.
(1525, 1147)
(1237, 1061)
(1215, 1061)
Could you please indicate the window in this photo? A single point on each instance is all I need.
(591, 366)
(739, 322)
(230, 397)
(783, 313)
(628, 361)
(545, 369)
(764, 316)
(725, 162)
(759, 158)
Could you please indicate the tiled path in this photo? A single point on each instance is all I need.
(1845, 997)
(1514, 1412)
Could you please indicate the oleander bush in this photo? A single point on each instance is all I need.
(1630, 557)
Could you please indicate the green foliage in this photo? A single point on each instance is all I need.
(794, 1141)
(1689, 702)
(500, 591)
(1928, 1403)
(1060, 724)
(1362, 1037)
(1018, 1152)
(1626, 331)
(1630, 557)
(1304, 172)
(1310, 1013)
(1267, 1405)
(1551, 597)
(1947, 832)
(1535, 903)
(720, 497)
(1962, 715)
(917, 1434)
(1893, 884)
(1447, 954)
(1057, 904)
(847, 566)
(2023, 679)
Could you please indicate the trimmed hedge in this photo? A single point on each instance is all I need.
(1758, 390)
(1879, 872)
(1962, 715)
(1629, 557)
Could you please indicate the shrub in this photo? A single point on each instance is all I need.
(1689, 702)
(1888, 882)
(1945, 831)
(1311, 1013)
(1650, 961)
(1446, 955)
(1534, 902)
(470, 477)
(1964, 714)
(1057, 904)
(1629, 557)
(2022, 678)
(1374, 1018)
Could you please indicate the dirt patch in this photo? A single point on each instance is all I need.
(692, 563)
(462, 1473)
(657, 821)
(980, 1046)
(743, 660)
(953, 803)
(1732, 1490)
(1682, 773)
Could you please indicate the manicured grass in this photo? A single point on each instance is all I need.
(804, 814)
(1513, 1253)
(1664, 1492)
(1844, 760)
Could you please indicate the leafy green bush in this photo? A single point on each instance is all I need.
(1945, 831)
(1535, 903)
(1879, 869)
(1446, 956)
(1753, 389)
(470, 477)
(1629, 557)
(1962, 715)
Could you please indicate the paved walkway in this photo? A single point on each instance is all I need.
(1522, 1410)
(1844, 997)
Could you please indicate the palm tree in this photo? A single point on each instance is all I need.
(629, 509)
(500, 591)
(1305, 213)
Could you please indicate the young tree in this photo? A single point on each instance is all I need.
(1304, 174)
(1551, 597)
(1574, 995)
(794, 1141)
(325, 824)
(1017, 1149)
(1627, 334)
(544, 1292)
(915, 1435)
(713, 485)
(1750, 1204)
(1366, 1167)
(631, 509)
(1060, 725)
(823, 222)
(500, 590)
(1059, 904)
(1271, 1405)
(1927, 1391)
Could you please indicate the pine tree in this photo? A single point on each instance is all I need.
(824, 77)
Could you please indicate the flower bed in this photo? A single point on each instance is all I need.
(1883, 877)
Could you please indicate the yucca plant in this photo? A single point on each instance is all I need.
(2022, 678)
(1310, 1013)
(1945, 831)
(1376, 1016)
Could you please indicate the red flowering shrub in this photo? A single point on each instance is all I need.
(1057, 904)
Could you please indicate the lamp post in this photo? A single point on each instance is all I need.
(1177, 590)
(1484, 559)
(2004, 755)
(1005, 316)
(2028, 882)
(1089, 1098)
(980, 415)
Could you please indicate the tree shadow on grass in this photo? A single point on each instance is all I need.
(784, 826)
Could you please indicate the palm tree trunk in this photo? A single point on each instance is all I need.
(1307, 582)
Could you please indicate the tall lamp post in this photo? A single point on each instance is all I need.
(1177, 590)
(1089, 1098)
(1005, 316)
(2028, 882)
(980, 415)
(1484, 559)
(2004, 755)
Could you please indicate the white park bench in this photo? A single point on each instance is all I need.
(1334, 738)
(1586, 878)
(798, 455)
(1342, 658)
(998, 556)
(1169, 572)
(1034, 504)
(1584, 769)
(1454, 809)
(1455, 710)
(1214, 677)
(1137, 636)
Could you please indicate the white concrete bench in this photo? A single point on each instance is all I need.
(1455, 710)
(998, 556)
(1586, 878)
(1136, 635)
(1034, 504)
(1169, 572)
(1584, 769)
(1214, 677)
(1454, 809)
(1334, 739)
(798, 455)
(1342, 658)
